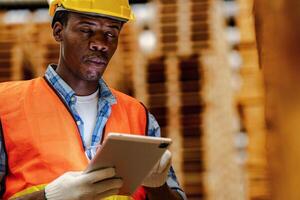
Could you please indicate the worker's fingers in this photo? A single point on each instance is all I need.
(107, 185)
(166, 169)
(107, 194)
(163, 163)
(99, 175)
(73, 173)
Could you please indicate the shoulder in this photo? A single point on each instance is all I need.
(129, 105)
(13, 93)
(13, 88)
(10, 88)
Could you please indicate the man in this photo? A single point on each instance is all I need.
(49, 125)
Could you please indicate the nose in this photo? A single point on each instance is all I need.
(98, 43)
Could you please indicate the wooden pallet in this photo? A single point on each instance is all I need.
(182, 27)
(11, 52)
(171, 82)
(251, 101)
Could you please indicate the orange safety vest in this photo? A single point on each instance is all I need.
(41, 138)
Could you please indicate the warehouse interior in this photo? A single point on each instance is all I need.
(195, 64)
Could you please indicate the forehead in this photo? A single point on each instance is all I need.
(79, 17)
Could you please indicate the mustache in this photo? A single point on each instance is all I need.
(102, 58)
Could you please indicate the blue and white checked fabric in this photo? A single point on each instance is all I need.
(105, 102)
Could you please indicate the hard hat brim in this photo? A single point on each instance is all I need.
(60, 8)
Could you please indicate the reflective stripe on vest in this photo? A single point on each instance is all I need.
(45, 143)
(42, 187)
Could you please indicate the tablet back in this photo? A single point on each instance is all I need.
(133, 157)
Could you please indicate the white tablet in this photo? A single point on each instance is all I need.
(133, 156)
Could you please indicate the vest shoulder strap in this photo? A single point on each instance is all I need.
(130, 112)
(13, 93)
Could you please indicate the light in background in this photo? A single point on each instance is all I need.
(145, 15)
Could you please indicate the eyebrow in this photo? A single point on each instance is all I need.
(114, 26)
(86, 22)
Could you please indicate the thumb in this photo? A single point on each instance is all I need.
(73, 173)
(164, 162)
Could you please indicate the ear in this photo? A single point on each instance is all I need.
(57, 31)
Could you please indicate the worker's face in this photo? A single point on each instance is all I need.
(87, 45)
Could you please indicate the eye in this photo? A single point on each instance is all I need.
(86, 31)
(111, 35)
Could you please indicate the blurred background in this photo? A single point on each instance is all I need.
(194, 64)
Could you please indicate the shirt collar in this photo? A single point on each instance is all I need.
(67, 92)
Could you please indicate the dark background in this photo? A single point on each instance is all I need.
(8, 4)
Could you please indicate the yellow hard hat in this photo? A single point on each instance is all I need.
(119, 9)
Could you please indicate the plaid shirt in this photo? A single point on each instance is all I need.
(105, 102)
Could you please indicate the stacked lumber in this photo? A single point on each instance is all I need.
(10, 51)
(49, 48)
(40, 37)
(182, 27)
(190, 71)
(185, 83)
(251, 104)
(219, 117)
(173, 96)
(6, 47)
(30, 47)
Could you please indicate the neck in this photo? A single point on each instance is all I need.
(80, 87)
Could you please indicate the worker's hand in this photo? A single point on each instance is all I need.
(159, 174)
(78, 185)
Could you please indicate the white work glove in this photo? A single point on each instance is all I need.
(88, 186)
(159, 174)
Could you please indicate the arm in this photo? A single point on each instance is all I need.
(162, 193)
(161, 183)
(170, 189)
(3, 163)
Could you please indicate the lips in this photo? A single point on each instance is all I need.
(96, 61)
